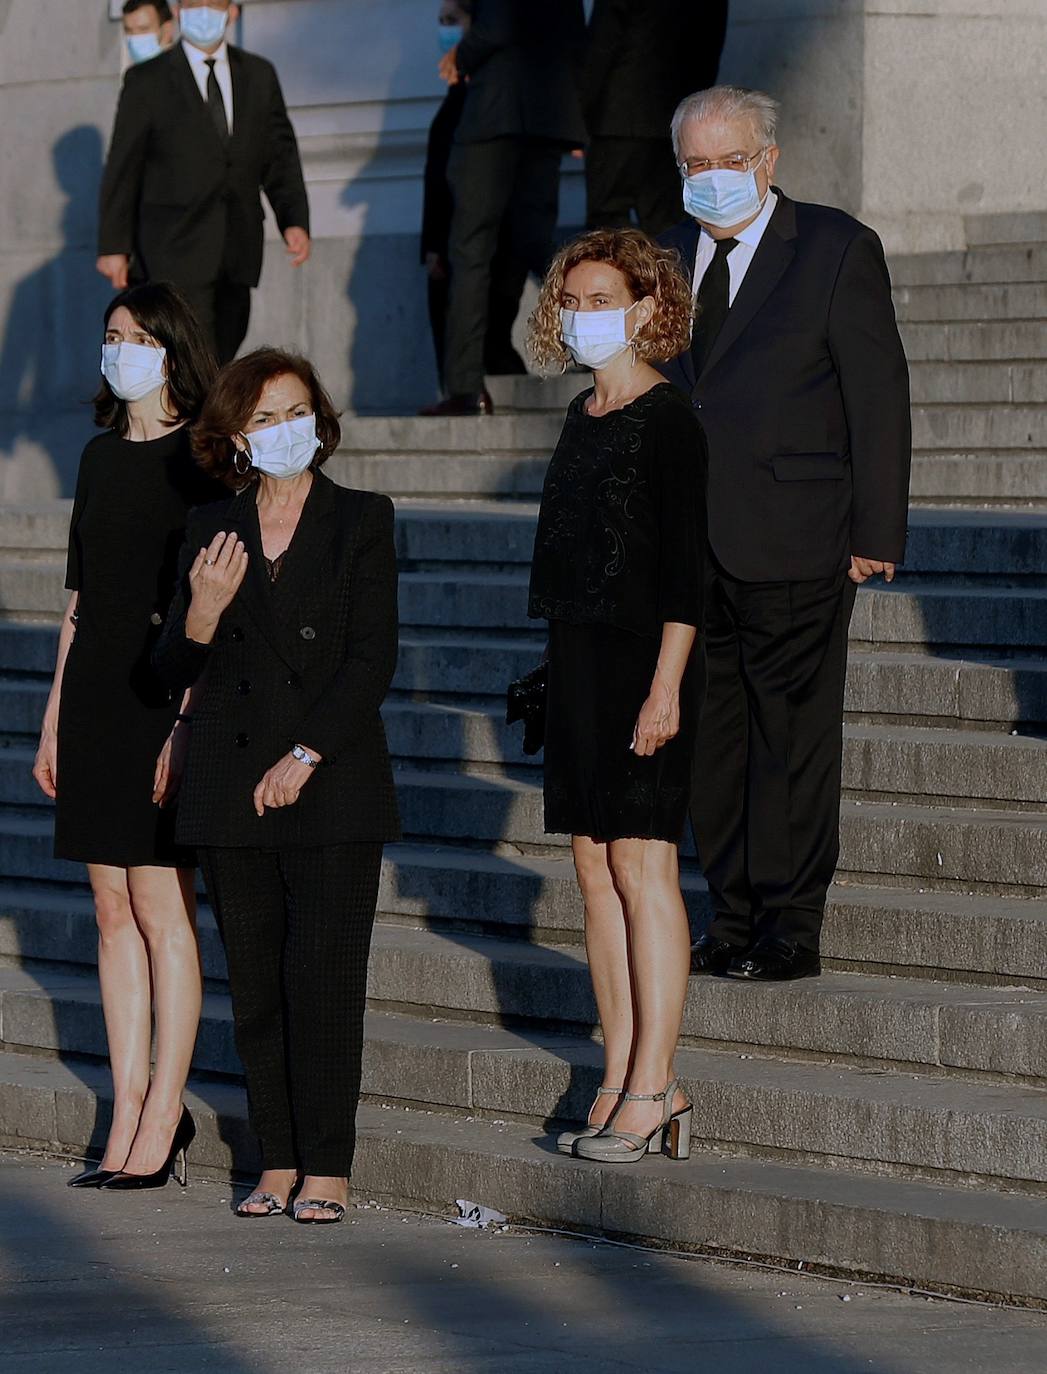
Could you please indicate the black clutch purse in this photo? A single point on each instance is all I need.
(526, 701)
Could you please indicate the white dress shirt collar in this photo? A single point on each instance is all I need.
(741, 256)
(197, 56)
(753, 233)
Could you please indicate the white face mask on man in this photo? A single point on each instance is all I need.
(284, 450)
(595, 337)
(133, 371)
(202, 25)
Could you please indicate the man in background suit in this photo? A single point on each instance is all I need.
(148, 28)
(521, 114)
(199, 131)
(641, 59)
(798, 375)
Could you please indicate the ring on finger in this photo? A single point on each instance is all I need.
(208, 562)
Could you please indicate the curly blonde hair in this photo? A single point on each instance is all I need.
(648, 269)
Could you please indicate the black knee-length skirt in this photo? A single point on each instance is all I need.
(595, 785)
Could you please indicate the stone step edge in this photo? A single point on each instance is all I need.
(835, 1222)
(969, 1134)
(910, 1025)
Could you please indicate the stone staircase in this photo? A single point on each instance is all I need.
(888, 1119)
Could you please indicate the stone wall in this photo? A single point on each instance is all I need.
(911, 113)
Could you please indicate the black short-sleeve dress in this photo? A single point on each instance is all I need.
(620, 551)
(114, 716)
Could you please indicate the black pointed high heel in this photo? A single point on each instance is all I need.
(92, 1178)
(183, 1138)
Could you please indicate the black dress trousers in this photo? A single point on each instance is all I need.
(766, 801)
(296, 925)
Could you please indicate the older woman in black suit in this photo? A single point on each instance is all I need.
(287, 622)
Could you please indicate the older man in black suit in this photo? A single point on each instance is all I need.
(199, 131)
(798, 375)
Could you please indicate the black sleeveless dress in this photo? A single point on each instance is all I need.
(620, 550)
(127, 529)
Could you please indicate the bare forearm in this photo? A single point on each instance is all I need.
(677, 642)
(65, 640)
(200, 626)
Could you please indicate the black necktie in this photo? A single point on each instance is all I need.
(714, 301)
(215, 103)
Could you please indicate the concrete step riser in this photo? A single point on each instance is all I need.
(972, 301)
(806, 1111)
(949, 935)
(850, 1223)
(992, 265)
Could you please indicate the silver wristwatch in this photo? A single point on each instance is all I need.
(303, 756)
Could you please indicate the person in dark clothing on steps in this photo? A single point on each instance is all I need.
(507, 277)
(521, 113)
(285, 615)
(199, 131)
(641, 59)
(797, 371)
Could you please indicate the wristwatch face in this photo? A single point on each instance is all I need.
(302, 757)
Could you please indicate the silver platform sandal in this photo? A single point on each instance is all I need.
(672, 1134)
(565, 1141)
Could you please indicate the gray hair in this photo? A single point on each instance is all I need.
(725, 103)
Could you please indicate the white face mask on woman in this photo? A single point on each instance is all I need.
(133, 371)
(595, 337)
(284, 450)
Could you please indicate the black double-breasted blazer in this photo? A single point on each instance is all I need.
(804, 399)
(307, 660)
(183, 202)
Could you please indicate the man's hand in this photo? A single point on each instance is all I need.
(448, 68)
(282, 783)
(299, 246)
(115, 267)
(864, 568)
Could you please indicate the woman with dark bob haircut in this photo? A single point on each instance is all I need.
(619, 562)
(286, 616)
(112, 734)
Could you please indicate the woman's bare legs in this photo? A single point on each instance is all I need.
(123, 975)
(163, 901)
(607, 951)
(646, 873)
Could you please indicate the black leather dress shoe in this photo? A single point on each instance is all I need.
(775, 961)
(468, 403)
(709, 955)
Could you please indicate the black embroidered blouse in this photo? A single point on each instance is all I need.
(622, 536)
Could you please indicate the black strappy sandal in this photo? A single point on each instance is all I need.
(315, 1204)
(274, 1207)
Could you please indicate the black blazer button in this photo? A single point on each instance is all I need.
(294, 680)
(236, 634)
(242, 741)
(156, 618)
(243, 688)
(307, 632)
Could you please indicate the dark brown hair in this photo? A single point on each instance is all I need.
(162, 8)
(165, 315)
(233, 399)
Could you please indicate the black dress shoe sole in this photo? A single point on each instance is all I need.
(782, 975)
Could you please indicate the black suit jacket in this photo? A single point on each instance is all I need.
(521, 58)
(804, 399)
(642, 57)
(174, 196)
(305, 660)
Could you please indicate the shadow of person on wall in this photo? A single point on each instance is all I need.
(49, 337)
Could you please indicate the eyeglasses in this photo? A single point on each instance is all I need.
(731, 162)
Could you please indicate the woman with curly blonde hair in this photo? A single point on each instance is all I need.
(618, 571)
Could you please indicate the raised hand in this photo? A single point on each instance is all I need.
(214, 580)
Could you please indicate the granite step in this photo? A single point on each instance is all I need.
(46, 913)
(991, 263)
(969, 1241)
(975, 341)
(895, 1123)
(962, 301)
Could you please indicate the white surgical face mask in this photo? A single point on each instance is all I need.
(284, 450)
(203, 26)
(595, 337)
(722, 198)
(133, 371)
(141, 47)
